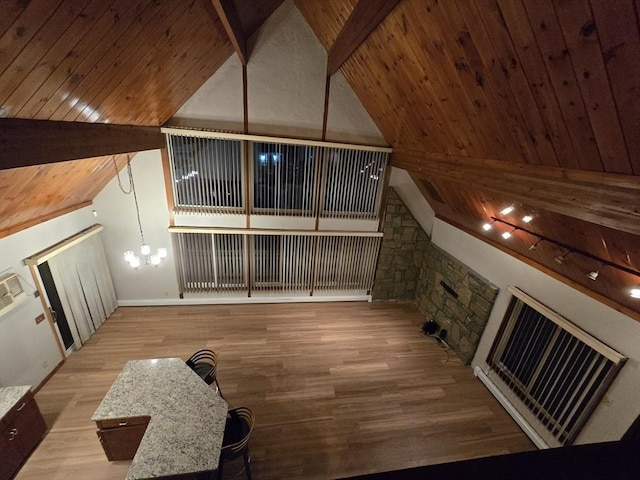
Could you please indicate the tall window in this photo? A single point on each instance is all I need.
(556, 372)
(283, 178)
(353, 183)
(207, 174)
(210, 263)
(290, 263)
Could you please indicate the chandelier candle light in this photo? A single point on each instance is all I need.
(145, 250)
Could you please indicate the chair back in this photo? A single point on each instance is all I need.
(244, 415)
(205, 363)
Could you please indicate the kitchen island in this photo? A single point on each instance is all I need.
(160, 413)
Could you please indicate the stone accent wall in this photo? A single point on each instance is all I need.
(410, 267)
(463, 317)
(397, 270)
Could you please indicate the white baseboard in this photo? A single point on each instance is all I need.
(238, 300)
(511, 410)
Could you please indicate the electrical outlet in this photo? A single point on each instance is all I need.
(40, 318)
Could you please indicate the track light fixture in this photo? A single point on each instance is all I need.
(507, 235)
(507, 210)
(488, 226)
(592, 275)
(535, 245)
(560, 258)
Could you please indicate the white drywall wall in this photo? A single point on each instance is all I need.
(116, 211)
(285, 89)
(28, 351)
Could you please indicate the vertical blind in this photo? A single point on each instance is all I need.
(83, 280)
(304, 180)
(558, 372)
(207, 174)
(283, 263)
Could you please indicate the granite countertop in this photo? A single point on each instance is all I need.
(187, 417)
(9, 396)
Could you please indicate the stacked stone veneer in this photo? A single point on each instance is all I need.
(410, 267)
(397, 270)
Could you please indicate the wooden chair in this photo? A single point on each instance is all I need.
(205, 364)
(240, 422)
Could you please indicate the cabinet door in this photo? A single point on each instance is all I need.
(29, 426)
(121, 443)
(10, 457)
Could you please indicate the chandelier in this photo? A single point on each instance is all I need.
(130, 256)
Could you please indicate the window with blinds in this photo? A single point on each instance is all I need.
(211, 263)
(557, 372)
(284, 177)
(353, 183)
(275, 263)
(207, 174)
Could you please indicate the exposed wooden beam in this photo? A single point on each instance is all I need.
(364, 18)
(231, 23)
(607, 199)
(25, 143)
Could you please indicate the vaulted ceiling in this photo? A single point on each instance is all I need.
(487, 103)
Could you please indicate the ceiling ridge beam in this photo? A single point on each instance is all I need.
(231, 23)
(608, 199)
(25, 143)
(365, 17)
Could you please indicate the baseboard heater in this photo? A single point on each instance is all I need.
(510, 408)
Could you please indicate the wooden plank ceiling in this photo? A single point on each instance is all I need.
(487, 103)
(531, 103)
(125, 62)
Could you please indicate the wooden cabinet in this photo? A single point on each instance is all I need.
(22, 428)
(120, 438)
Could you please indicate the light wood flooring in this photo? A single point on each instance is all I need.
(338, 389)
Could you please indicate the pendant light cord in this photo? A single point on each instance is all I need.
(115, 165)
(132, 188)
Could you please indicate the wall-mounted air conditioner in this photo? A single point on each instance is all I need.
(11, 292)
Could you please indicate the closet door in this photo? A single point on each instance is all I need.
(83, 280)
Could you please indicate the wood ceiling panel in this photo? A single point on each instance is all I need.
(326, 18)
(59, 58)
(80, 58)
(619, 35)
(553, 50)
(115, 64)
(116, 61)
(252, 14)
(62, 185)
(586, 54)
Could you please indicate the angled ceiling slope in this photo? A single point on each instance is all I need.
(490, 103)
(118, 62)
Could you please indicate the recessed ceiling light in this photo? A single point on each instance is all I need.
(635, 292)
(506, 235)
(593, 275)
(508, 210)
(486, 227)
(527, 218)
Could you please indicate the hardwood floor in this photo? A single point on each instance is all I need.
(338, 389)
